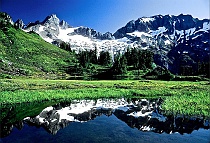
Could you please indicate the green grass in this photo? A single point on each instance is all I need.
(194, 103)
(27, 54)
(180, 97)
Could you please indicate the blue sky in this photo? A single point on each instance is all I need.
(101, 15)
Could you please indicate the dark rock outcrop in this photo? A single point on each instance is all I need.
(19, 24)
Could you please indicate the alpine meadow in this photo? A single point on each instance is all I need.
(152, 74)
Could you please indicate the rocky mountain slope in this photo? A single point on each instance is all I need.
(180, 43)
(54, 31)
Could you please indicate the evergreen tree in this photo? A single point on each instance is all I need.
(135, 57)
(65, 46)
(104, 58)
(147, 57)
(84, 59)
(139, 59)
(93, 56)
(120, 65)
(123, 65)
(129, 57)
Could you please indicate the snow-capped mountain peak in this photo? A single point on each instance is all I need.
(52, 19)
(167, 36)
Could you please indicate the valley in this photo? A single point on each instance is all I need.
(179, 44)
(153, 71)
(45, 50)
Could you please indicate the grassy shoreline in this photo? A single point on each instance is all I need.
(181, 97)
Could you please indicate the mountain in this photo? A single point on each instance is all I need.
(52, 28)
(180, 43)
(55, 31)
(27, 54)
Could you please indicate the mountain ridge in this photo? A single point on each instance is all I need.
(144, 24)
(144, 19)
(177, 42)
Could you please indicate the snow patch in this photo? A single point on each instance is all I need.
(120, 104)
(167, 42)
(64, 114)
(196, 36)
(147, 128)
(41, 120)
(41, 28)
(139, 34)
(147, 19)
(157, 32)
(80, 38)
(124, 39)
(53, 28)
(190, 31)
(140, 114)
(206, 26)
(48, 109)
(144, 48)
(63, 34)
(49, 40)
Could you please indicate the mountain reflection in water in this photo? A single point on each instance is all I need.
(145, 115)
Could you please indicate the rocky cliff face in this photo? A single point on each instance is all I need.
(170, 23)
(180, 42)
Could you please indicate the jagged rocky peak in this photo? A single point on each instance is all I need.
(108, 35)
(52, 19)
(184, 22)
(19, 24)
(51, 28)
(48, 21)
(64, 25)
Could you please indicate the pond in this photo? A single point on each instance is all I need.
(102, 120)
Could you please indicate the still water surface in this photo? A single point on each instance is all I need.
(105, 120)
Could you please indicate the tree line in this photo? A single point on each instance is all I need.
(136, 58)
